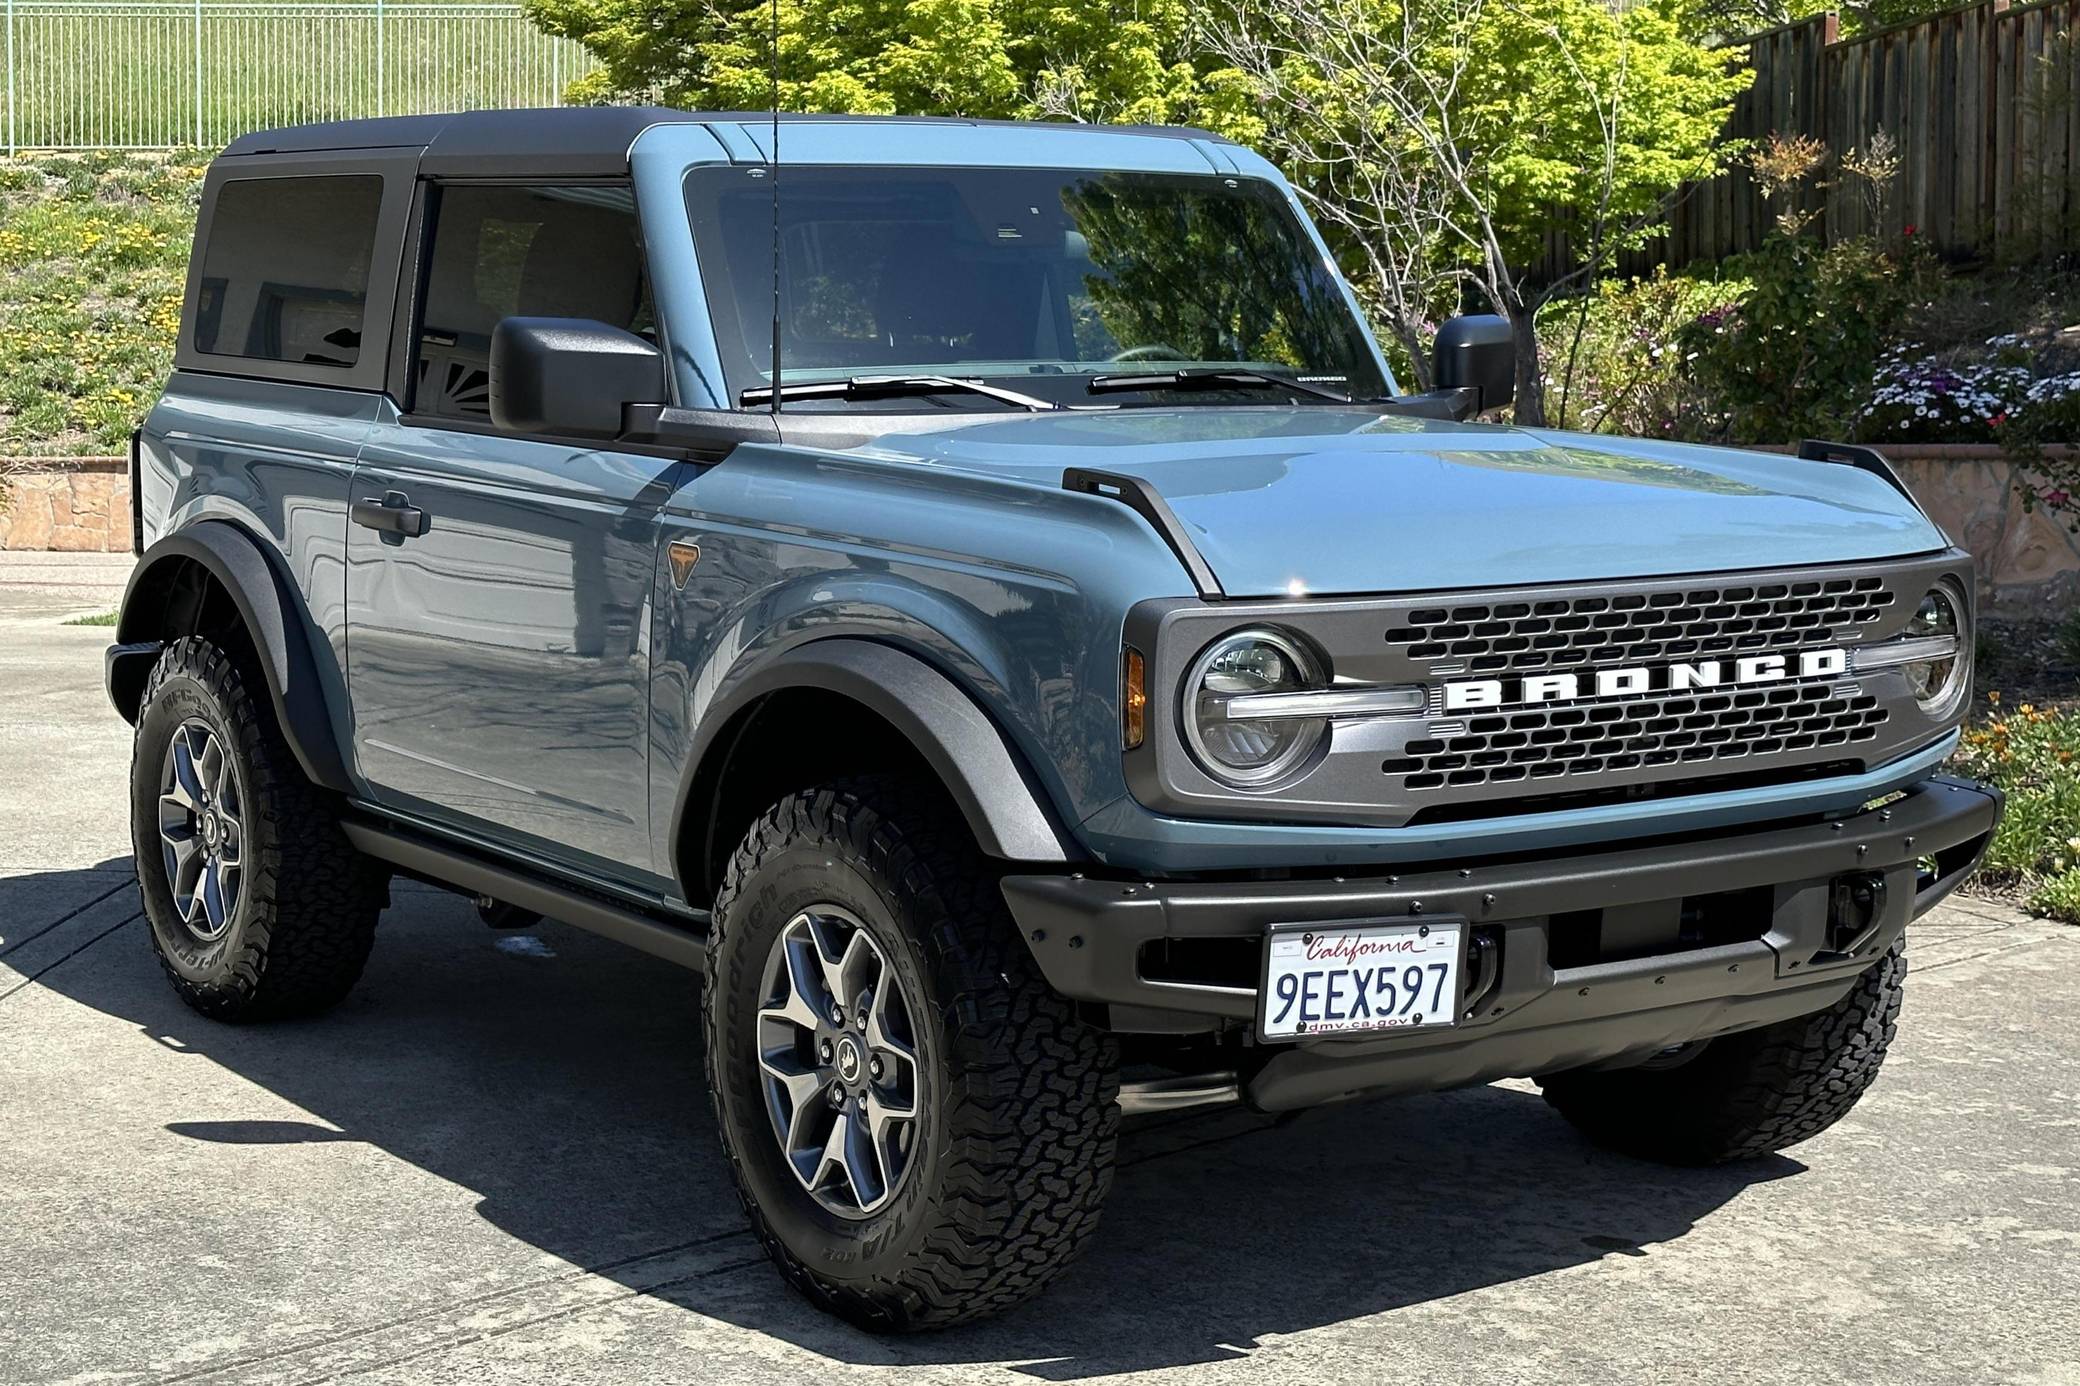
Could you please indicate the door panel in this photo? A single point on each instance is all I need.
(498, 588)
(499, 660)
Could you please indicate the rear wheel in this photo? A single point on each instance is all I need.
(1743, 1095)
(921, 1130)
(258, 906)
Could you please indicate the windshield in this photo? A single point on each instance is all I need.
(1046, 278)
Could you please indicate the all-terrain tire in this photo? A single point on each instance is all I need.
(1747, 1094)
(304, 918)
(1019, 1115)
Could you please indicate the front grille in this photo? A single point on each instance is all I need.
(1633, 628)
(1569, 795)
(1563, 745)
(1639, 734)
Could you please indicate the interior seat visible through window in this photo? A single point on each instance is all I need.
(503, 251)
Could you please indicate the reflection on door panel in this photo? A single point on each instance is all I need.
(499, 661)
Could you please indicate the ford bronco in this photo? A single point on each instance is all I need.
(976, 594)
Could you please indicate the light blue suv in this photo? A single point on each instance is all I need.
(976, 593)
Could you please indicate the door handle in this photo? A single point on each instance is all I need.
(393, 514)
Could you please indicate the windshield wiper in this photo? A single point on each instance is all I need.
(891, 387)
(1210, 378)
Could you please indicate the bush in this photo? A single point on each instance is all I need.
(1614, 357)
(2033, 754)
(93, 263)
(1798, 355)
(1942, 399)
(2049, 414)
(2059, 897)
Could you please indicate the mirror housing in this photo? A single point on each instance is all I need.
(570, 375)
(1477, 351)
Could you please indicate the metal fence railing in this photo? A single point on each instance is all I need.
(126, 74)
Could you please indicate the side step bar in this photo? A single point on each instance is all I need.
(1179, 1093)
(457, 869)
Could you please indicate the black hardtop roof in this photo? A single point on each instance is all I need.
(569, 140)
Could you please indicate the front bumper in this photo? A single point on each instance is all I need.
(1577, 959)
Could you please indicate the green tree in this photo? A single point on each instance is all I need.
(1437, 140)
(1443, 140)
(1112, 60)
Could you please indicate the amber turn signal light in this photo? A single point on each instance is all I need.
(1133, 704)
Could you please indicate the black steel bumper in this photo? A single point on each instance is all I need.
(1556, 975)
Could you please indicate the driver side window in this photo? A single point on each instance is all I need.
(507, 251)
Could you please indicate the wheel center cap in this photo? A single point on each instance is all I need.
(210, 830)
(848, 1060)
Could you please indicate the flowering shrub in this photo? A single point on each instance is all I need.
(1614, 358)
(2033, 754)
(1916, 397)
(1797, 354)
(2050, 414)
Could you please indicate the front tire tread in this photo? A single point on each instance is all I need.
(1032, 1095)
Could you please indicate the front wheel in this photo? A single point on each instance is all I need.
(920, 1129)
(1746, 1094)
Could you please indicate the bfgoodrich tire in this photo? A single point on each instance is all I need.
(258, 907)
(860, 948)
(1748, 1094)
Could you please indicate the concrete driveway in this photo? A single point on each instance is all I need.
(495, 1163)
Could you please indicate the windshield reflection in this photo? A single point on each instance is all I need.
(1042, 278)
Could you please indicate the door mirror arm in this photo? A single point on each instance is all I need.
(707, 435)
(1454, 405)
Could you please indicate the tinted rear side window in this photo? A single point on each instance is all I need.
(285, 273)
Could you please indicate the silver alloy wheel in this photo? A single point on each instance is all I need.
(837, 1055)
(201, 829)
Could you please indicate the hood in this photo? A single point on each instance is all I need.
(1330, 501)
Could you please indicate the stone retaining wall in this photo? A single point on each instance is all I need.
(65, 504)
(2029, 562)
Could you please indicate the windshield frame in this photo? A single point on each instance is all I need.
(745, 363)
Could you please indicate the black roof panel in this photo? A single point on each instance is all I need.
(560, 141)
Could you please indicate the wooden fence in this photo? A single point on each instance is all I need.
(1983, 105)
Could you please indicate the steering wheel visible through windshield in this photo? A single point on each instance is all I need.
(1040, 279)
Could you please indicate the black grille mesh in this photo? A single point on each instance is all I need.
(1637, 628)
(1674, 729)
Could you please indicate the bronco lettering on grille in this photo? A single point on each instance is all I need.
(1638, 680)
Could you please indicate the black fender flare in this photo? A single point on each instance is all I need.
(274, 617)
(1005, 810)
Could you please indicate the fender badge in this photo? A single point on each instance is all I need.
(683, 556)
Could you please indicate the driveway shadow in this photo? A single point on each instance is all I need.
(560, 1081)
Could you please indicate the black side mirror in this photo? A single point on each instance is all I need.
(1477, 352)
(570, 375)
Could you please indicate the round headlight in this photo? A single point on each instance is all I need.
(1242, 751)
(1939, 683)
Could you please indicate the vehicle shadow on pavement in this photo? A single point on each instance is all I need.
(558, 1078)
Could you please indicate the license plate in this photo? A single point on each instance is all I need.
(1343, 979)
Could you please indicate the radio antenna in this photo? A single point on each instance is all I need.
(773, 176)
